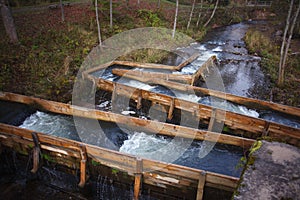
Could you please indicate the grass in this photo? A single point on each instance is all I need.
(50, 53)
(263, 44)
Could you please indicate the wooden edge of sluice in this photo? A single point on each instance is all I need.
(148, 76)
(142, 124)
(145, 65)
(232, 120)
(187, 61)
(150, 172)
(245, 101)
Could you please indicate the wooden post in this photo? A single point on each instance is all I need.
(201, 184)
(266, 129)
(138, 178)
(82, 166)
(36, 152)
(139, 100)
(171, 110)
(212, 120)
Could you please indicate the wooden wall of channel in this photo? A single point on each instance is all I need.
(159, 174)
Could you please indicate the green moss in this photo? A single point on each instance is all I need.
(95, 163)
(256, 146)
(47, 157)
(114, 171)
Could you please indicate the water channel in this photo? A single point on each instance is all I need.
(241, 75)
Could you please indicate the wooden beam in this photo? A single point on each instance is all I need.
(82, 166)
(138, 178)
(204, 67)
(187, 61)
(234, 121)
(145, 65)
(148, 76)
(36, 153)
(164, 173)
(201, 183)
(141, 124)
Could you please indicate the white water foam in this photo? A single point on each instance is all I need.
(51, 124)
(136, 84)
(154, 147)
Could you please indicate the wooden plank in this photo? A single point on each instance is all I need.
(147, 76)
(138, 178)
(170, 173)
(245, 101)
(201, 184)
(187, 61)
(232, 120)
(140, 124)
(145, 65)
(204, 67)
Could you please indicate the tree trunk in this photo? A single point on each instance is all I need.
(8, 22)
(212, 14)
(191, 15)
(281, 70)
(62, 11)
(288, 45)
(110, 14)
(158, 4)
(98, 24)
(199, 16)
(175, 19)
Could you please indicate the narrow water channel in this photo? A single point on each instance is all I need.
(241, 75)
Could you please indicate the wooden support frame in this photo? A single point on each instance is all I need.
(233, 120)
(155, 172)
(187, 61)
(83, 161)
(142, 124)
(138, 178)
(36, 153)
(201, 184)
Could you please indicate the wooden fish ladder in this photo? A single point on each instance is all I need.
(144, 171)
(240, 124)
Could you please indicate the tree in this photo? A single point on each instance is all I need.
(191, 15)
(212, 14)
(175, 19)
(8, 22)
(110, 15)
(200, 13)
(158, 4)
(98, 23)
(286, 42)
(62, 11)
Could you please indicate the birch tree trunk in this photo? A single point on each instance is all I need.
(62, 11)
(110, 14)
(200, 13)
(175, 19)
(191, 15)
(212, 14)
(98, 23)
(158, 4)
(8, 22)
(283, 56)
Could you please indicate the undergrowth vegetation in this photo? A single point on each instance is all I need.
(46, 61)
(264, 44)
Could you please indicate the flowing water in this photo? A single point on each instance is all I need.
(240, 74)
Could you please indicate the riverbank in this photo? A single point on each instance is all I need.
(265, 41)
(46, 61)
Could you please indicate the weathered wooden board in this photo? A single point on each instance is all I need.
(148, 76)
(233, 120)
(161, 174)
(248, 102)
(140, 124)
